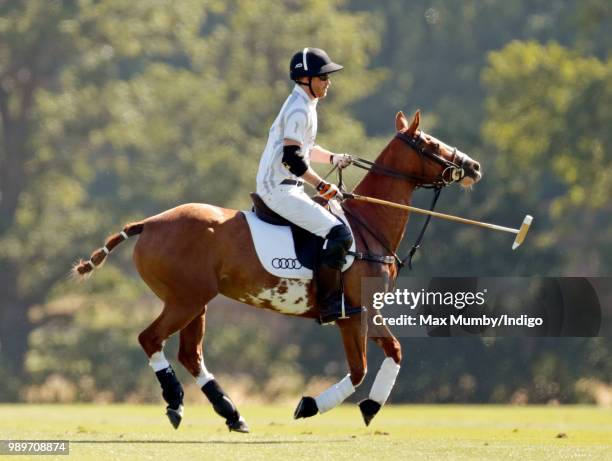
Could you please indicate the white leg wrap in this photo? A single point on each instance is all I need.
(158, 361)
(385, 379)
(204, 376)
(335, 395)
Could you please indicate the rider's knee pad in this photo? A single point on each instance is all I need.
(339, 241)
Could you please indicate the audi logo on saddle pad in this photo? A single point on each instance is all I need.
(286, 263)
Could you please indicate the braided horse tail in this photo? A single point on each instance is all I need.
(82, 268)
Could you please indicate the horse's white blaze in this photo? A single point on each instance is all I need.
(289, 296)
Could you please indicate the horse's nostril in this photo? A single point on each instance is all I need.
(476, 166)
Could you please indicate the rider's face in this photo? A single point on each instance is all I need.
(320, 85)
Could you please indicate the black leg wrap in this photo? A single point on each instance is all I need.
(224, 407)
(369, 408)
(306, 408)
(220, 401)
(172, 391)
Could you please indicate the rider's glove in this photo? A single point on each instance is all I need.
(340, 160)
(329, 191)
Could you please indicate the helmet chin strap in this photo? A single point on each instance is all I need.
(309, 86)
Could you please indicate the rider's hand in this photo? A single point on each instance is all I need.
(329, 191)
(341, 160)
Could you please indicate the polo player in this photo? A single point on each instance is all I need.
(285, 167)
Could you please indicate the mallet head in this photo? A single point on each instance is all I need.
(520, 236)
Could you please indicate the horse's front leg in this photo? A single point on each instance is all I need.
(385, 378)
(353, 332)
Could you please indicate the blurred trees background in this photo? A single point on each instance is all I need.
(112, 111)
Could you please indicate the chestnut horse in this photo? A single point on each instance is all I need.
(191, 253)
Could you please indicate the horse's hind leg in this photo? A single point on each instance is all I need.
(174, 317)
(385, 378)
(191, 357)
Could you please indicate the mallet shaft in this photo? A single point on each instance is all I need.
(432, 213)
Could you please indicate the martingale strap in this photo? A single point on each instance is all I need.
(382, 259)
(393, 258)
(417, 243)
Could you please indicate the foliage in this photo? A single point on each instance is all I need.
(139, 111)
(112, 111)
(549, 118)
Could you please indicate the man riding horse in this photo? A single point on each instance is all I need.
(191, 253)
(285, 167)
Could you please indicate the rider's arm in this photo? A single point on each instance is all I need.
(324, 189)
(319, 154)
(310, 176)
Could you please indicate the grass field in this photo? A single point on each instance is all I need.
(399, 432)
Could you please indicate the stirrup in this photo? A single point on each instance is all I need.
(326, 318)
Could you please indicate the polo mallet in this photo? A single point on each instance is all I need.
(520, 233)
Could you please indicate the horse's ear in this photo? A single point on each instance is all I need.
(401, 122)
(415, 122)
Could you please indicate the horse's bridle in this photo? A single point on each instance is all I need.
(452, 172)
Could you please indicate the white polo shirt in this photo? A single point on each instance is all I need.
(297, 120)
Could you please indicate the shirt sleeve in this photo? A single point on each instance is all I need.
(295, 125)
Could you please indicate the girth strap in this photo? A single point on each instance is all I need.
(372, 258)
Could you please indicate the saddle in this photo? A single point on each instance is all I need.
(284, 249)
(306, 244)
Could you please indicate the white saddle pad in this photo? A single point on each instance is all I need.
(274, 247)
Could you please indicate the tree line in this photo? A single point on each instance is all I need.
(114, 111)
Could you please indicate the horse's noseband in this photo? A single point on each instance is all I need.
(453, 171)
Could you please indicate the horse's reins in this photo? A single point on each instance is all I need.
(451, 173)
(455, 173)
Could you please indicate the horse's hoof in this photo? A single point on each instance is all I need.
(369, 408)
(175, 416)
(306, 408)
(238, 426)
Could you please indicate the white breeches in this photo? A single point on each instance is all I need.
(293, 204)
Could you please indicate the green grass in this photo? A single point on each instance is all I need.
(399, 432)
